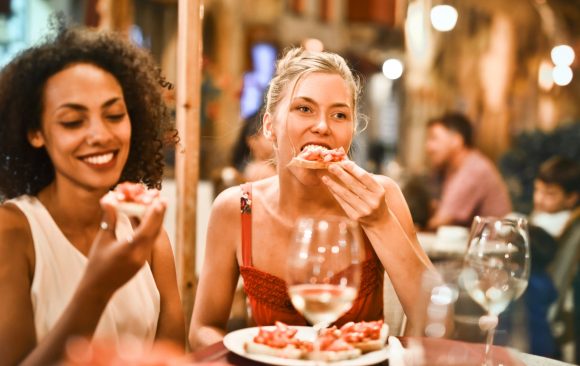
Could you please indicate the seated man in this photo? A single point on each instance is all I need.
(470, 183)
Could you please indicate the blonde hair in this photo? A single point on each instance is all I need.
(298, 62)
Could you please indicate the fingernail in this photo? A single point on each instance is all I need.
(333, 168)
(325, 179)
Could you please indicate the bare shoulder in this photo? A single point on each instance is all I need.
(13, 224)
(15, 235)
(227, 203)
(388, 184)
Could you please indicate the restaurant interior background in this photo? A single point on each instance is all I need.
(493, 60)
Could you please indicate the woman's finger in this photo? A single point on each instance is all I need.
(348, 208)
(362, 175)
(108, 221)
(343, 194)
(152, 221)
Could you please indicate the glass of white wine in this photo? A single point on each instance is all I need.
(324, 268)
(496, 267)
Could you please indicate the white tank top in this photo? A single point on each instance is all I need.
(132, 311)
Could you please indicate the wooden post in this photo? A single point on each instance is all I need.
(189, 52)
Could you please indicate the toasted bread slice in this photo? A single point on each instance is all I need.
(132, 209)
(309, 164)
(374, 344)
(289, 351)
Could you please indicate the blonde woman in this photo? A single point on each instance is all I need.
(312, 100)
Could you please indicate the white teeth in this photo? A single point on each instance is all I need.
(99, 159)
(314, 147)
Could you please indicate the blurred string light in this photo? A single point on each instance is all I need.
(393, 68)
(443, 17)
(562, 55)
(562, 75)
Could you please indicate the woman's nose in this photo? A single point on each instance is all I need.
(98, 132)
(321, 126)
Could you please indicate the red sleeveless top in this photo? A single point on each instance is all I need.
(268, 295)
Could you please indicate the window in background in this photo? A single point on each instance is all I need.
(256, 81)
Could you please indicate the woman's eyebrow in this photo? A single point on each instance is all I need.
(81, 107)
(310, 100)
(110, 102)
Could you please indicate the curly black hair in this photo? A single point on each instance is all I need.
(27, 170)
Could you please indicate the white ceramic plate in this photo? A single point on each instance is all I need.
(234, 341)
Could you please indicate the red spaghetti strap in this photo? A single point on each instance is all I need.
(246, 210)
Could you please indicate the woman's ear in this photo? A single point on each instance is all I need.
(268, 128)
(35, 138)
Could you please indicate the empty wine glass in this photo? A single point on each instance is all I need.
(324, 268)
(496, 267)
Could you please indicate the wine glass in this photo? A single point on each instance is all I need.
(324, 268)
(496, 267)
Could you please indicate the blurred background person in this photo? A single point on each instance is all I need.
(253, 154)
(556, 195)
(470, 183)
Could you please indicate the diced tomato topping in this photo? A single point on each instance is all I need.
(361, 331)
(319, 153)
(281, 336)
(135, 192)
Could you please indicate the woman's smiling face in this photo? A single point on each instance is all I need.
(85, 126)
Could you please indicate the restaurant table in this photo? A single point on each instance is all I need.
(405, 351)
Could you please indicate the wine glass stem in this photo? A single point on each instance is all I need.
(488, 344)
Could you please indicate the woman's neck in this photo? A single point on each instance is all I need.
(307, 197)
(72, 207)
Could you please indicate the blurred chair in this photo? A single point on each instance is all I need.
(562, 271)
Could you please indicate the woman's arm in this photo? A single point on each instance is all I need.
(111, 264)
(220, 273)
(17, 331)
(377, 203)
(171, 325)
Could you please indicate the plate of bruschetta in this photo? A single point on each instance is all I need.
(353, 344)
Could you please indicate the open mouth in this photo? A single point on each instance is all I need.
(312, 147)
(99, 159)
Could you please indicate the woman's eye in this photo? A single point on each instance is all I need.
(72, 124)
(116, 117)
(303, 108)
(340, 115)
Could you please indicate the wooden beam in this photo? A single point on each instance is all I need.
(189, 53)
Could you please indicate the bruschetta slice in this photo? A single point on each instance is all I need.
(131, 199)
(278, 342)
(366, 336)
(318, 157)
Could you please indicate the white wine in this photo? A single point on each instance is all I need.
(322, 303)
(493, 289)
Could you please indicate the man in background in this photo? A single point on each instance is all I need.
(470, 182)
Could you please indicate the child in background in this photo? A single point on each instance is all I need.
(556, 195)
(556, 199)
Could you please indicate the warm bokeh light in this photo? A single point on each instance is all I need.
(562, 55)
(545, 79)
(443, 17)
(562, 75)
(313, 44)
(393, 68)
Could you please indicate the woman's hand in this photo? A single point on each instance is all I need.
(114, 261)
(361, 197)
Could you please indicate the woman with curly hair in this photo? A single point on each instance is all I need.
(79, 113)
